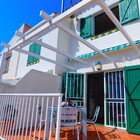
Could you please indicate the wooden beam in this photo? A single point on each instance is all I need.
(56, 20)
(40, 57)
(118, 25)
(53, 49)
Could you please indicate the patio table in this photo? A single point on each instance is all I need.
(83, 119)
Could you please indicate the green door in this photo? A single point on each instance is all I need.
(132, 84)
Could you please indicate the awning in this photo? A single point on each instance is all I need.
(119, 47)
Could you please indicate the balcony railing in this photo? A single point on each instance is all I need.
(29, 116)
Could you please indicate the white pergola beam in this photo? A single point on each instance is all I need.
(44, 15)
(40, 57)
(5, 45)
(54, 21)
(85, 42)
(52, 48)
(118, 25)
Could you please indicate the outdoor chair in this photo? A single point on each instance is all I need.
(93, 121)
(69, 116)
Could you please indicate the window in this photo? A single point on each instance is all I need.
(34, 48)
(7, 61)
(126, 11)
(103, 22)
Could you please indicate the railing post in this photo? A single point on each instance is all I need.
(58, 118)
(3, 57)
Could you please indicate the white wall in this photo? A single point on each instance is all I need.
(35, 82)
(18, 63)
(111, 40)
(63, 44)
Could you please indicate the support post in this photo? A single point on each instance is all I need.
(3, 62)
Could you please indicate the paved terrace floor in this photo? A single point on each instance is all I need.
(105, 133)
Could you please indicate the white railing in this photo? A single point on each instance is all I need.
(30, 116)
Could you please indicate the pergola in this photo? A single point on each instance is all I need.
(57, 21)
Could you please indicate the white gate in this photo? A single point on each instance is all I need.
(114, 99)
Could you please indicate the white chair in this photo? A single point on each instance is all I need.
(93, 121)
(69, 117)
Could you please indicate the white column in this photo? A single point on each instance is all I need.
(2, 65)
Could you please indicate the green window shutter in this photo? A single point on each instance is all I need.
(85, 27)
(37, 51)
(128, 10)
(31, 49)
(34, 48)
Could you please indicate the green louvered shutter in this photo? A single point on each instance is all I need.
(85, 27)
(31, 49)
(37, 51)
(128, 10)
(73, 86)
(34, 48)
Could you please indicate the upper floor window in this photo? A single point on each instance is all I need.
(7, 62)
(103, 23)
(92, 25)
(34, 48)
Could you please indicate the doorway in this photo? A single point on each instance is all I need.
(95, 95)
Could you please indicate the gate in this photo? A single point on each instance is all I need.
(115, 99)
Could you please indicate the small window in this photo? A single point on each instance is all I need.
(7, 62)
(103, 22)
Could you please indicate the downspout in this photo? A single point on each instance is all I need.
(16, 72)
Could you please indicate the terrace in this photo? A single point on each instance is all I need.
(30, 117)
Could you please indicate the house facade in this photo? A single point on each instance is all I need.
(96, 57)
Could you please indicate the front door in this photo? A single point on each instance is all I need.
(132, 85)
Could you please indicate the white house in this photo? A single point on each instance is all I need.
(96, 54)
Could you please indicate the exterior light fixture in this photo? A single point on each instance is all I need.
(98, 66)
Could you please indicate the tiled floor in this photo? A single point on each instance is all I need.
(105, 133)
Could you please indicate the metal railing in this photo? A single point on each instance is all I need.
(29, 116)
(115, 99)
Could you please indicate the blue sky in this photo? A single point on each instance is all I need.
(13, 13)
